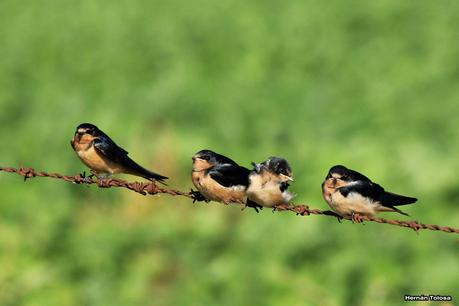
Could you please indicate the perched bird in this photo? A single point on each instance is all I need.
(219, 178)
(269, 181)
(350, 193)
(104, 157)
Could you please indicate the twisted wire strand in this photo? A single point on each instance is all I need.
(150, 188)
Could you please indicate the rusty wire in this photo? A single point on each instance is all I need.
(143, 188)
(151, 188)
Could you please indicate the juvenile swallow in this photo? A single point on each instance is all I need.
(350, 193)
(219, 178)
(104, 157)
(269, 181)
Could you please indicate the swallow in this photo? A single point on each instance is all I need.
(219, 178)
(269, 181)
(350, 193)
(104, 157)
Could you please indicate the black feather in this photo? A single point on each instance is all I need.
(215, 158)
(283, 186)
(112, 151)
(393, 199)
(365, 188)
(230, 175)
(376, 193)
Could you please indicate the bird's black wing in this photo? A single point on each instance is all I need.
(229, 175)
(365, 188)
(376, 193)
(357, 176)
(110, 149)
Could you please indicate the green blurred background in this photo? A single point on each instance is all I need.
(373, 85)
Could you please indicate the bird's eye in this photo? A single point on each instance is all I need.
(205, 158)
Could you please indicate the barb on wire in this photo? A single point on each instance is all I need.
(151, 188)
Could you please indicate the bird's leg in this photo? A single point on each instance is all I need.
(198, 197)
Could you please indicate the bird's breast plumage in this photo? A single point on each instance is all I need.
(266, 191)
(212, 190)
(95, 160)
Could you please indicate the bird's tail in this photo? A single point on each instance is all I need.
(152, 176)
(136, 169)
(399, 211)
(392, 199)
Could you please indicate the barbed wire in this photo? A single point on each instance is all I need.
(150, 188)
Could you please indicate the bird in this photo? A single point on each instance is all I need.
(104, 157)
(352, 194)
(219, 178)
(269, 181)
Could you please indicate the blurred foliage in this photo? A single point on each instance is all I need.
(373, 85)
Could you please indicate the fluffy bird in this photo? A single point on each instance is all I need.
(104, 157)
(269, 181)
(350, 194)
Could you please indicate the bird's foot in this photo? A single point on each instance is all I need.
(86, 179)
(253, 205)
(356, 218)
(98, 176)
(102, 180)
(198, 197)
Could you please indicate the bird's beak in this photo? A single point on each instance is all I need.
(193, 158)
(77, 136)
(285, 177)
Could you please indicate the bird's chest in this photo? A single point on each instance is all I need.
(212, 190)
(94, 160)
(352, 203)
(327, 193)
(266, 192)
